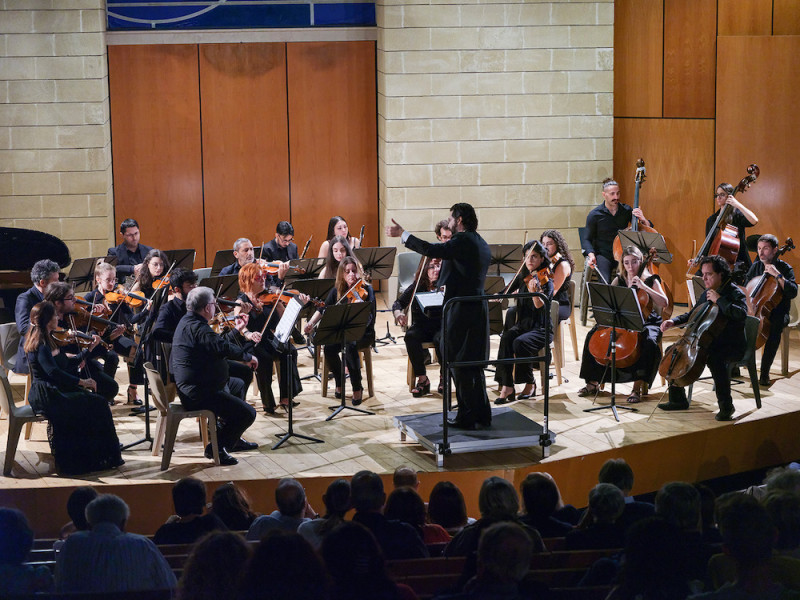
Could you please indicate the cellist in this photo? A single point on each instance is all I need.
(742, 218)
(634, 274)
(768, 262)
(729, 344)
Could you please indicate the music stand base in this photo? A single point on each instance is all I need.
(337, 409)
(613, 408)
(289, 434)
(384, 341)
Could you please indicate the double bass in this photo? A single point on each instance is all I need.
(763, 294)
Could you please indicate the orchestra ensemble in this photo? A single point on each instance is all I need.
(144, 309)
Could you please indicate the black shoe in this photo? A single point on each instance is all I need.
(224, 458)
(529, 396)
(243, 446)
(725, 414)
(421, 389)
(459, 424)
(337, 395)
(270, 410)
(508, 399)
(673, 405)
(357, 401)
(764, 381)
(137, 410)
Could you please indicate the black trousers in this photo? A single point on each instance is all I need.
(606, 266)
(265, 353)
(351, 357)
(418, 334)
(519, 342)
(107, 387)
(234, 415)
(777, 320)
(467, 340)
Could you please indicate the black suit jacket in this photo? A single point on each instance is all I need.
(126, 261)
(22, 315)
(271, 251)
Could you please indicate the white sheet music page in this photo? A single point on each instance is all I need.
(284, 329)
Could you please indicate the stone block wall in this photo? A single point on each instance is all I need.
(55, 146)
(505, 105)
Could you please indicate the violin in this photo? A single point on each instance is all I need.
(357, 293)
(121, 295)
(554, 261)
(97, 309)
(542, 276)
(222, 322)
(268, 298)
(763, 295)
(66, 337)
(271, 268)
(160, 282)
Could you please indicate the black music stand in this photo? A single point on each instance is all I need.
(312, 266)
(81, 273)
(183, 259)
(378, 264)
(317, 289)
(340, 324)
(505, 257)
(225, 285)
(222, 259)
(615, 306)
(644, 240)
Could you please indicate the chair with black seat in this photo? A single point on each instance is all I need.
(17, 417)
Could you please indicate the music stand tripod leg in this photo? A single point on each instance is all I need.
(290, 433)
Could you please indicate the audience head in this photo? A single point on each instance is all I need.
(539, 494)
(606, 503)
(707, 501)
(498, 499)
(76, 505)
(405, 477)
(189, 497)
(107, 508)
(654, 556)
(16, 537)
(783, 478)
(44, 272)
(355, 561)
(679, 503)
(290, 497)
(404, 504)
(617, 472)
(746, 530)
(231, 505)
(337, 498)
(504, 553)
(366, 492)
(446, 506)
(214, 567)
(783, 509)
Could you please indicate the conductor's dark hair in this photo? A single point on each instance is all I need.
(468, 217)
(180, 276)
(284, 228)
(719, 264)
(127, 223)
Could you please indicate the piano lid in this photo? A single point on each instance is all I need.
(21, 248)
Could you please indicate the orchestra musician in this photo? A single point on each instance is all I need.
(282, 247)
(154, 266)
(443, 231)
(728, 346)
(556, 246)
(199, 363)
(768, 262)
(633, 274)
(527, 336)
(243, 253)
(602, 226)
(337, 226)
(338, 248)
(347, 276)
(426, 327)
(81, 429)
(466, 259)
(741, 218)
(130, 253)
(43, 273)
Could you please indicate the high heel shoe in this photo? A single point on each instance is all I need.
(285, 405)
(360, 399)
(529, 396)
(507, 400)
(421, 389)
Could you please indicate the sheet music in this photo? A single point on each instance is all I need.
(428, 300)
(284, 329)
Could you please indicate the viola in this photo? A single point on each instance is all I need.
(763, 295)
(554, 261)
(66, 337)
(120, 294)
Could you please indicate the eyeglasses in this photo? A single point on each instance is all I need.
(722, 195)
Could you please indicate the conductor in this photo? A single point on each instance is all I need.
(466, 260)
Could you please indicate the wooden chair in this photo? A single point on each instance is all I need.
(170, 415)
(410, 379)
(17, 417)
(553, 346)
(365, 355)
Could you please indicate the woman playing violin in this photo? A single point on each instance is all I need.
(337, 226)
(348, 275)
(81, 429)
(153, 268)
(634, 275)
(426, 326)
(561, 266)
(527, 336)
(338, 248)
(251, 284)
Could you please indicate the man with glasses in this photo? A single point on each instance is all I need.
(282, 248)
(742, 218)
(130, 253)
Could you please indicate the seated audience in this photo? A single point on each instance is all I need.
(284, 565)
(404, 504)
(405, 477)
(337, 503)
(290, 498)
(397, 540)
(230, 503)
(189, 498)
(356, 565)
(76, 509)
(598, 528)
(107, 559)
(214, 568)
(16, 541)
(446, 507)
(619, 473)
(784, 511)
(708, 500)
(540, 498)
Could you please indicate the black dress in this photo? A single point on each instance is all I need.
(562, 295)
(80, 426)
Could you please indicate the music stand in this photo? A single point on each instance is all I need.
(340, 324)
(615, 306)
(318, 289)
(696, 289)
(183, 259)
(506, 257)
(222, 259)
(313, 267)
(81, 273)
(225, 285)
(378, 264)
(644, 240)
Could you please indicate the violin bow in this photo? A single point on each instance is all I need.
(361, 237)
(422, 265)
(360, 280)
(274, 306)
(524, 260)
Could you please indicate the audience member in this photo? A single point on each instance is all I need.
(708, 526)
(284, 565)
(76, 509)
(446, 507)
(783, 509)
(16, 541)
(619, 473)
(290, 497)
(397, 540)
(106, 559)
(598, 528)
(405, 477)
(214, 567)
(230, 503)
(356, 564)
(540, 498)
(780, 478)
(404, 504)
(337, 503)
(189, 498)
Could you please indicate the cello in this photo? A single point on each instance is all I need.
(763, 295)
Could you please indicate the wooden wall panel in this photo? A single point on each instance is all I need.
(638, 58)
(155, 128)
(333, 137)
(786, 17)
(745, 17)
(758, 121)
(678, 192)
(245, 142)
(689, 58)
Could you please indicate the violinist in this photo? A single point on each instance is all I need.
(81, 429)
(337, 226)
(338, 248)
(62, 296)
(602, 226)
(527, 336)
(243, 253)
(728, 346)
(282, 247)
(634, 274)
(154, 266)
(561, 266)
(768, 262)
(43, 273)
(742, 218)
(259, 334)
(130, 253)
(425, 328)
(348, 275)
